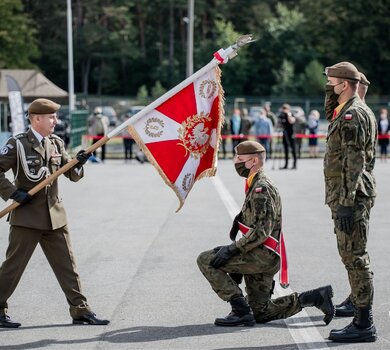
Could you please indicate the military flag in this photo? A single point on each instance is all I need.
(180, 137)
(179, 132)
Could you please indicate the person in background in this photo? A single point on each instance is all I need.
(286, 122)
(383, 132)
(246, 123)
(128, 141)
(363, 87)
(225, 131)
(236, 127)
(98, 127)
(271, 116)
(263, 129)
(313, 124)
(299, 128)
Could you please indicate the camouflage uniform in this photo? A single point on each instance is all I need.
(349, 181)
(262, 211)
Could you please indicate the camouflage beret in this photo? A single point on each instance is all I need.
(43, 106)
(343, 70)
(249, 147)
(364, 80)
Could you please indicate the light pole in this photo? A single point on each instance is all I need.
(190, 38)
(70, 58)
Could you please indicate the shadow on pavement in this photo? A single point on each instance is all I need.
(156, 333)
(293, 346)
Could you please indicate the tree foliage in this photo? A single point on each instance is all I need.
(18, 45)
(121, 45)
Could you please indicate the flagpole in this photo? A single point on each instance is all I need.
(220, 57)
(213, 63)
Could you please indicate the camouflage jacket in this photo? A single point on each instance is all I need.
(262, 212)
(350, 154)
(27, 158)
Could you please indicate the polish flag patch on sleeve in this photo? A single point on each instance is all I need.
(348, 116)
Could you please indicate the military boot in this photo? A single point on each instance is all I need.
(321, 298)
(361, 329)
(345, 309)
(241, 314)
(7, 322)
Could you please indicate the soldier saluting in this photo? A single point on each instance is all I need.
(350, 192)
(40, 219)
(256, 254)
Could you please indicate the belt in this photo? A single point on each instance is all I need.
(279, 248)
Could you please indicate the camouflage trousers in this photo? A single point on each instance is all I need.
(258, 267)
(353, 252)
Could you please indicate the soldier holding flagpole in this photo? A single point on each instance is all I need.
(40, 219)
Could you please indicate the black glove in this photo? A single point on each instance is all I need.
(236, 277)
(82, 157)
(235, 228)
(21, 196)
(217, 248)
(224, 255)
(345, 218)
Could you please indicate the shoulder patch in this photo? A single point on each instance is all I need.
(4, 150)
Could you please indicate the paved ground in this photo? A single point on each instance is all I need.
(136, 258)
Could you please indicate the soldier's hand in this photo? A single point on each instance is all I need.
(21, 196)
(217, 248)
(234, 230)
(345, 217)
(224, 255)
(236, 277)
(82, 157)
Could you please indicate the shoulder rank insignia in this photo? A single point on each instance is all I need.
(348, 116)
(19, 136)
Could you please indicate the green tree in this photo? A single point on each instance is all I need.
(284, 79)
(18, 43)
(312, 80)
(142, 95)
(158, 90)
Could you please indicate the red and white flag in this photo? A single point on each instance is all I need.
(180, 137)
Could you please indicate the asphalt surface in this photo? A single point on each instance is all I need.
(137, 261)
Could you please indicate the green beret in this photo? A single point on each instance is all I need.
(343, 70)
(364, 80)
(249, 147)
(43, 106)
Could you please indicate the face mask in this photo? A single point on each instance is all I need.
(330, 93)
(241, 169)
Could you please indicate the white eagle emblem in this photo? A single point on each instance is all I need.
(194, 134)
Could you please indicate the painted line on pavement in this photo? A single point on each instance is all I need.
(305, 338)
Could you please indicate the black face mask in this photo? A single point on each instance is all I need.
(330, 94)
(241, 169)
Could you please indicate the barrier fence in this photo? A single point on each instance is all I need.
(115, 148)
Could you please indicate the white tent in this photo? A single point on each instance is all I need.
(32, 83)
